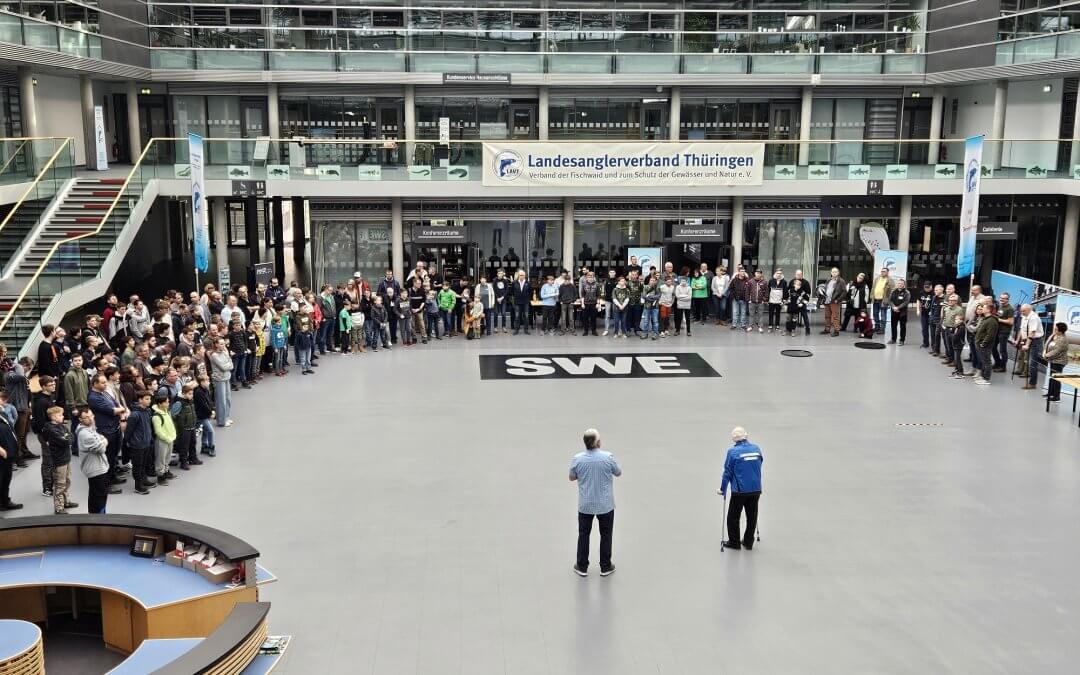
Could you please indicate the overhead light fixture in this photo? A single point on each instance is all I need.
(916, 94)
(1047, 88)
(145, 91)
(34, 81)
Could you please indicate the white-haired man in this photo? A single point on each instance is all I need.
(742, 469)
(595, 472)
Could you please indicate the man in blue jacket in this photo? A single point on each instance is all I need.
(742, 469)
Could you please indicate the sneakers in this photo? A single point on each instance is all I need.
(604, 334)
(955, 376)
(46, 493)
(759, 329)
(580, 572)
(608, 572)
(733, 544)
(979, 380)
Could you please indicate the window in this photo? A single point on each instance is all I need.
(388, 18)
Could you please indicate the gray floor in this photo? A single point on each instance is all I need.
(420, 519)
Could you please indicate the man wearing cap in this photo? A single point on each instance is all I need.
(924, 309)
(742, 469)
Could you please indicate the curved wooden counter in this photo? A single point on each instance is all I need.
(20, 648)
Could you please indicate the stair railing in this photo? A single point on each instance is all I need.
(135, 169)
(32, 188)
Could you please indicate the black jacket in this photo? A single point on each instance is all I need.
(567, 293)
(796, 300)
(48, 361)
(58, 438)
(900, 298)
(139, 433)
(521, 291)
(204, 403)
(39, 404)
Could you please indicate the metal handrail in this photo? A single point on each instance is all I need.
(58, 244)
(768, 141)
(37, 179)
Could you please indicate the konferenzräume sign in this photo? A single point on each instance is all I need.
(673, 164)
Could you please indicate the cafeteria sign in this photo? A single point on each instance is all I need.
(641, 164)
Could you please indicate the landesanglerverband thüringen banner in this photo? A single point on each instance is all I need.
(672, 164)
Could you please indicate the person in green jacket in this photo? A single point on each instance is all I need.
(447, 301)
(699, 288)
(345, 325)
(164, 437)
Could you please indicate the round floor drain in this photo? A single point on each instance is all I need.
(869, 345)
(797, 353)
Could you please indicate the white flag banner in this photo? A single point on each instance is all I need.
(673, 164)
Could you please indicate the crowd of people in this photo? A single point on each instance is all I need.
(135, 391)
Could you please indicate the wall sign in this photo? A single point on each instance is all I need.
(579, 366)
(248, 188)
(640, 164)
(997, 230)
(686, 232)
(427, 234)
(485, 78)
(100, 149)
(263, 273)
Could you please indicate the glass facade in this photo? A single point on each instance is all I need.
(343, 247)
(787, 243)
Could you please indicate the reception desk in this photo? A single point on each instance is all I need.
(153, 611)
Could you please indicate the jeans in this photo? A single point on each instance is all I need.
(924, 320)
(447, 322)
(239, 371)
(935, 337)
(881, 310)
(323, 336)
(975, 363)
(957, 338)
(433, 321)
(755, 314)
(633, 317)
(901, 319)
(719, 305)
(609, 315)
(607, 522)
(405, 330)
(522, 317)
(588, 318)
(804, 314)
(551, 317)
(279, 357)
(222, 401)
(650, 321)
(985, 361)
(1035, 348)
(497, 315)
(207, 433)
(382, 331)
(774, 315)
(112, 450)
(739, 314)
(1001, 349)
(566, 317)
(619, 320)
(699, 306)
(369, 333)
(304, 357)
(742, 501)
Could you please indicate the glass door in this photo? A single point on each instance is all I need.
(523, 122)
(782, 126)
(654, 121)
(388, 126)
(154, 122)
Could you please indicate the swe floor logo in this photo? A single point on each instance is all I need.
(507, 165)
(576, 366)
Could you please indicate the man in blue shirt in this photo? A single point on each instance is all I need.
(742, 468)
(595, 472)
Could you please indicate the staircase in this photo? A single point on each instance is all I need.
(79, 270)
(80, 212)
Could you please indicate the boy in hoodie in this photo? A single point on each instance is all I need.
(305, 339)
(279, 343)
(184, 418)
(345, 325)
(204, 415)
(39, 417)
(404, 320)
(139, 438)
(568, 297)
(58, 441)
(164, 437)
(650, 313)
(433, 314)
(447, 300)
(549, 292)
(380, 325)
(684, 299)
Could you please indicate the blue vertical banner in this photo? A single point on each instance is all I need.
(969, 207)
(198, 203)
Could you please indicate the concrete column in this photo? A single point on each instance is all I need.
(86, 96)
(675, 116)
(397, 240)
(1068, 243)
(736, 233)
(568, 233)
(937, 112)
(410, 121)
(1001, 100)
(273, 121)
(28, 102)
(134, 138)
(221, 233)
(1074, 156)
(299, 231)
(903, 237)
(542, 120)
(804, 125)
(277, 214)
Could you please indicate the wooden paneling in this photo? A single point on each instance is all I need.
(110, 536)
(27, 604)
(116, 611)
(195, 618)
(30, 662)
(39, 536)
(235, 662)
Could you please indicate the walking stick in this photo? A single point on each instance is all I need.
(723, 523)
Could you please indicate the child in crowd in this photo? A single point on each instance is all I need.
(864, 325)
(260, 349)
(286, 326)
(139, 438)
(477, 322)
(432, 314)
(59, 438)
(684, 299)
(447, 301)
(280, 346)
(404, 315)
(184, 418)
(164, 437)
(304, 343)
(380, 325)
(345, 325)
(204, 414)
(549, 294)
(356, 334)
